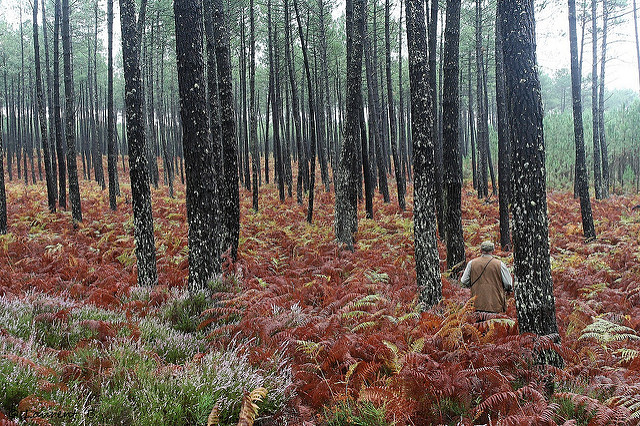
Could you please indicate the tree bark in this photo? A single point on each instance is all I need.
(604, 157)
(70, 116)
(230, 193)
(452, 164)
(400, 185)
(582, 179)
(312, 115)
(346, 219)
(138, 172)
(253, 118)
(42, 115)
(112, 154)
(504, 145)
(534, 294)
(422, 116)
(597, 163)
(201, 191)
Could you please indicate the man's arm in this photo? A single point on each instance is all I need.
(466, 276)
(506, 277)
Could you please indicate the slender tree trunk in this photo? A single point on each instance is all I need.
(302, 159)
(604, 157)
(50, 120)
(433, 86)
(3, 195)
(60, 153)
(138, 172)
(422, 116)
(255, 159)
(534, 295)
(597, 163)
(392, 113)
(346, 220)
(374, 124)
(472, 131)
(111, 122)
(504, 145)
(483, 125)
(70, 116)
(635, 26)
(51, 183)
(452, 164)
(312, 114)
(581, 164)
(230, 194)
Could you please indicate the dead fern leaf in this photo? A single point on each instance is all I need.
(214, 415)
(249, 409)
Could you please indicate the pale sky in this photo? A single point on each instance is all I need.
(552, 27)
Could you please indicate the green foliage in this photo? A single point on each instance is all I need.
(354, 413)
(16, 382)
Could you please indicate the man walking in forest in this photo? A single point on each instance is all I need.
(488, 279)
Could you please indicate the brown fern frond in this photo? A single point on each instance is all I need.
(249, 409)
(213, 419)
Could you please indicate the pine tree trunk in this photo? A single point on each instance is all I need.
(534, 294)
(392, 113)
(70, 116)
(3, 194)
(253, 118)
(201, 191)
(597, 163)
(582, 179)
(346, 220)
(604, 157)
(50, 120)
(504, 145)
(312, 115)
(112, 157)
(452, 164)
(138, 172)
(230, 194)
(422, 116)
(302, 159)
(51, 183)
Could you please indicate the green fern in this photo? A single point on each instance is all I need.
(604, 332)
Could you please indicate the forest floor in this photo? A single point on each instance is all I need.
(333, 336)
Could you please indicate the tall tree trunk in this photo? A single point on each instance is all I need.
(253, 123)
(504, 144)
(312, 114)
(534, 296)
(111, 122)
(51, 183)
(452, 164)
(472, 131)
(138, 172)
(3, 195)
(433, 86)
(635, 26)
(213, 105)
(483, 125)
(230, 193)
(581, 164)
(392, 113)
(50, 120)
(201, 192)
(604, 157)
(597, 163)
(302, 159)
(70, 116)
(346, 220)
(62, 163)
(374, 118)
(422, 116)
